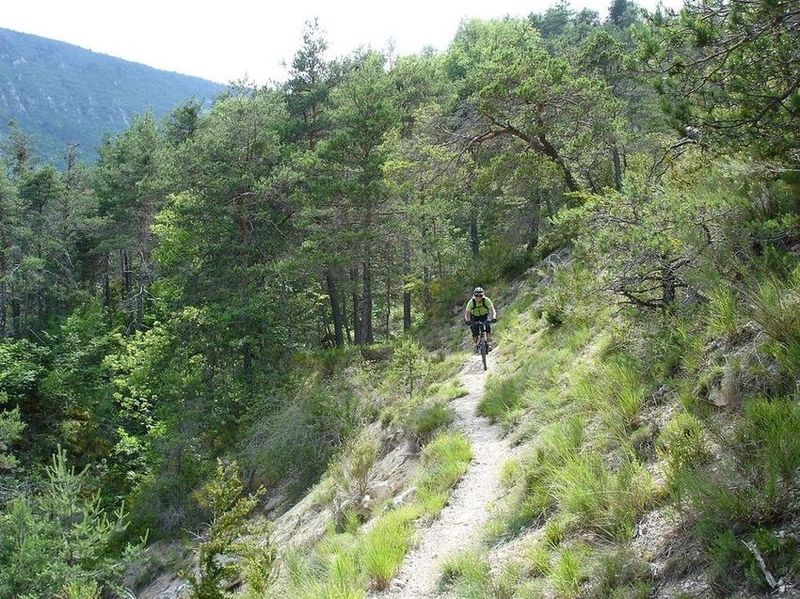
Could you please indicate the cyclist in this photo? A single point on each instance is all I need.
(479, 308)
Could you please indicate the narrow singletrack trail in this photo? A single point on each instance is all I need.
(460, 523)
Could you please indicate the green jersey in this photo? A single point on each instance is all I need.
(483, 308)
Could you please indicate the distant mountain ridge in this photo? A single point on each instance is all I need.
(62, 94)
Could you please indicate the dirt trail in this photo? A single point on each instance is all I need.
(460, 523)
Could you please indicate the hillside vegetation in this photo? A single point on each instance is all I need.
(234, 307)
(61, 95)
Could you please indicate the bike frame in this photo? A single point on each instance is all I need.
(483, 342)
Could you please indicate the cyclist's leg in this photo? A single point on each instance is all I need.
(475, 329)
(482, 319)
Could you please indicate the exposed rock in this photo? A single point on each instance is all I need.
(157, 568)
(696, 586)
(166, 586)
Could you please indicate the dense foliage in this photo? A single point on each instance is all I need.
(199, 292)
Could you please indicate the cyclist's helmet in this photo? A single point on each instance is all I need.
(478, 291)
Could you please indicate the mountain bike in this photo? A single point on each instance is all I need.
(483, 342)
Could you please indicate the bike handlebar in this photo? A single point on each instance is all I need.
(470, 322)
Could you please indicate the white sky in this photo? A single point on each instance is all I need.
(225, 40)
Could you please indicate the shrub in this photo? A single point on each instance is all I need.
(769, 436)
(80, 590)
(61, 539)
(11, 427)
(409, 366)
(428, 419)
(607, 502)
(682, 445)
(351, 474)
(223, 498)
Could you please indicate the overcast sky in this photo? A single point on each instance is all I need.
(225, 40)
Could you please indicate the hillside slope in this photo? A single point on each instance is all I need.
(63, 94)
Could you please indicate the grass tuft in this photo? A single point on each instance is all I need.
(469, 573)
(385, 546)
(445, 460)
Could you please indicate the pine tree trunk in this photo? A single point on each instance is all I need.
(366, 305)
(345, 320)
(549, 150)
(124, 274)
(336, 312)
(356, 304)
(533, 230)
(427, 300)
(617, 168)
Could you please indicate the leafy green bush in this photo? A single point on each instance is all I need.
(409, 366)
(81, 590)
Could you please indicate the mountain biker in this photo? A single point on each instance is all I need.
(479, 308)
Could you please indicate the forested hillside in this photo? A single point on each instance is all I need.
(61, 95)
(234, 306)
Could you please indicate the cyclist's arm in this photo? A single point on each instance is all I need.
(491, 305)
(466, 312)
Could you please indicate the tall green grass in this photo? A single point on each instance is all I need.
(346, 564)
(444, 462)
(385, 545)
(469, 574)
